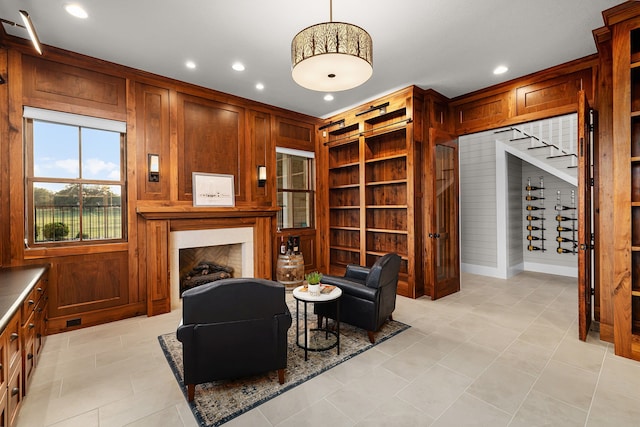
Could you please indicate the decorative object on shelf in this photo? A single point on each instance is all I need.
(212, 189)
(313, 282)
(530, 227)
(331, 56)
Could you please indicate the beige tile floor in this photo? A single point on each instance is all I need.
(501, 352)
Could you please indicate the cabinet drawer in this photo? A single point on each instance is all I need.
(14, 395)
(28, 349)
(4, 421)
(39, 292)
(41, 324)
(29, 304)
(4, 368)
(12, 333)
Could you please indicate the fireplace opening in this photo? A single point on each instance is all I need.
(202, 265)
(232, 247)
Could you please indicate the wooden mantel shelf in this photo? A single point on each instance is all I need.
(191, 212)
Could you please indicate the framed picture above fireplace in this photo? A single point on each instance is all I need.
(212, 189)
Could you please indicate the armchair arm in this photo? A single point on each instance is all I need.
(350, 287)
(185, 334)
(357, 272)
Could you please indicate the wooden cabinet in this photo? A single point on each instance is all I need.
(625, 23)
(4, 374)
(33, 329)
(22, 331)
(14, 368)
(375, 158)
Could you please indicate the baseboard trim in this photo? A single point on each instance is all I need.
(92, 318)
(519, 268)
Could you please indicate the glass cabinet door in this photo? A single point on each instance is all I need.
(443, 233)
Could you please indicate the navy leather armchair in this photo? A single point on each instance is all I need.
(368, 294)
(233, 328)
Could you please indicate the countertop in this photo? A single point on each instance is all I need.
(15, 285)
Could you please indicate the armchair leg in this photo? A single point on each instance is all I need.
(281, 376)
(320, 321)
(191, 392)
(372, 338)
(391, 316)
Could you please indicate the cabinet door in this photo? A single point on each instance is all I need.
(584, 217)
(443, 256)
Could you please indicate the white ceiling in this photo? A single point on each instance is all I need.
(451, 46)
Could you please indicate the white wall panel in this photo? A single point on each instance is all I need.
(492, 206)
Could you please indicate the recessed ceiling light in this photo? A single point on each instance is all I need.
(500, 69)
(190, 64)
(238, 66)
(328, 97)
(259, 86)
(76, 10)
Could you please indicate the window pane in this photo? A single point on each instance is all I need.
(298, 173)
(56, 211)
(301, 210)
(100, 154)
(55, 150)
(77, 186)
(293, 173)
(101, 212)
(280, 160)
(296, 210)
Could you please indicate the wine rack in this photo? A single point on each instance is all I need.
(566, 225)
(535, 216)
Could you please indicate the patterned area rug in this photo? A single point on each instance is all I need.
(220, 401)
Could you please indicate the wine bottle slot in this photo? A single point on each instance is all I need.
(530, 237)
(534, 248)
(534, 227)
(560, 228)
(534, 218)
(564, 251)
(564, 208)
(564, 239)
(534, 208)
(532, 188)
(534, 198)
(564, 218)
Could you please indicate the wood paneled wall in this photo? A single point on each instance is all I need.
(548, 93)
(192, 129)
(210, 138)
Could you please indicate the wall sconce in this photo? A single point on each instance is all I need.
(262, 175)
(154, 167)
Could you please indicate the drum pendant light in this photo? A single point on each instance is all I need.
(331, 56)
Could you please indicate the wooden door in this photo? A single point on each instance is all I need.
(584, 216)
(442, 262)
